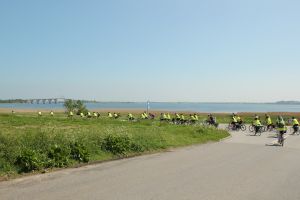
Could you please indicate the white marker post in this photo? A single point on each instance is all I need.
(148, 106)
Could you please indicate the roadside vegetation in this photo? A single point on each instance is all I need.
(32, 143)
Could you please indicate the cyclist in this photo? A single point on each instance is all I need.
(257, 124)
(110, 116)
(234, 122)
(182, 118)
(146, 115)
(52, 113)
(192, 119)
(295, 125)
(282, 129)
(89, 115)
(152, 116)
(177, 118)
(130, 117)
(168, 117)
(239, 121)
(116, 116)
(95, 114)
(163, 117)
(212, 120)
(269, 122)
(196, 117)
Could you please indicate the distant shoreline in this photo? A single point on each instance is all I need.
(137, 111)
(180, 102)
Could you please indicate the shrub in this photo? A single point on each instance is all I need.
(29, 160)
(79, 152)
(59, 156)
(118, 144)
(136, 147)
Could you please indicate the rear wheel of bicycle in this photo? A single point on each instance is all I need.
(264, 129)
(229, 127)
(270, 128)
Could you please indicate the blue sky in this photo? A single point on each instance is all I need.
(162, 50)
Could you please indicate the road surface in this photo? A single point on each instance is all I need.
(241, 167)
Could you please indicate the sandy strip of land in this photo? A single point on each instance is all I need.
(139, 111)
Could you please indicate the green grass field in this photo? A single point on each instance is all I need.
(30, 143)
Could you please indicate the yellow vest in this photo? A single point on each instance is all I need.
(295, 122)
(269, 121)
(234, 120)
(257, 122)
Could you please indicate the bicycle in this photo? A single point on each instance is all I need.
(237, 127)
(292, 130)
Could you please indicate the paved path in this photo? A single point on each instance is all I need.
(241, 167)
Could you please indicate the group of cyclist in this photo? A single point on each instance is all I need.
(280, 125)
(236, 120)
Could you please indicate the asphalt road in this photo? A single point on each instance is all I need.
(241, 167)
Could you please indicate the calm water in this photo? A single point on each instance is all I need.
(197, 107)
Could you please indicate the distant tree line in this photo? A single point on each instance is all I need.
(13, 101)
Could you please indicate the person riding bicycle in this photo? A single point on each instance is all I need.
(281, 129)
(95, 114)
(176, 119)
(71, 114)
(109, 115)
(211, 120)
(295, 125)
(144, 115)
(89, 115)
(163, 117)
(257, 125)
(192, 118)
(81, 114)
(269, 122)
(168, 116)
(239, 121)
(182, 118)
(234, 122)
(151, 116)
(196, 117)
(130, 117)
(116, 116)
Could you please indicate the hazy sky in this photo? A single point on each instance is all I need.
(161, 50)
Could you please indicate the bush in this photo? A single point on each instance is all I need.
(59, 156)
(79, 152)
(118, 144)
(29, 160)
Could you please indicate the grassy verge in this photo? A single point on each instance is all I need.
(29, 143)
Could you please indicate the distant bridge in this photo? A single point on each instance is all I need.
(44, 101)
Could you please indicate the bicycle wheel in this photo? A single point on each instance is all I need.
(270, 128)
(243, 127)
(251, 128)
(229, 127)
